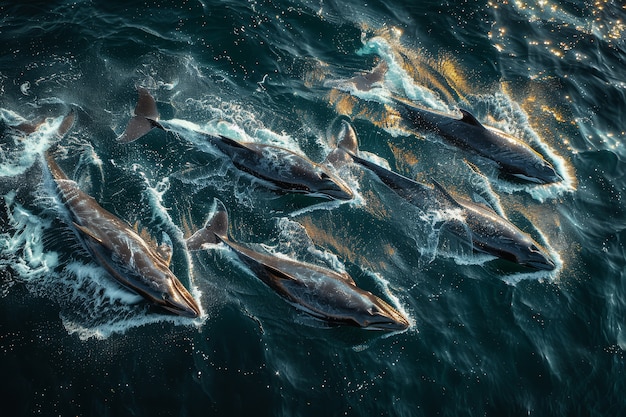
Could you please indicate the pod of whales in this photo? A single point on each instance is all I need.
(325, 294)
(133, 262)
(489, 232)
(281, 167)
(321, 292)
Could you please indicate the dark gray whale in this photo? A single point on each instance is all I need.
(489, 232)
(133, 262)
(321, 292)
(281, 167)
(514, 157)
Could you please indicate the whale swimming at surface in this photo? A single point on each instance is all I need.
(133, 262)
(489, 232)
(514, 157)
(321, 292)
(281, 167)
(325, 294)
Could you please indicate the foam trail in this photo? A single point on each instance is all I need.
(296, 243)
(397, 78)
(24, 249)
(25, 150)
(385, 286)
(154, 196)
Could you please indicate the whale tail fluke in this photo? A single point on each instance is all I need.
(376, 76)
(145, 118)
(214, 231)
(343, 134)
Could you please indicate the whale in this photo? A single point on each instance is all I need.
(281, 168)
(514, 157)
(489, 232)
(323, 293)
(133, 262)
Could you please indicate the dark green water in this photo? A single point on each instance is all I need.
(487, 337)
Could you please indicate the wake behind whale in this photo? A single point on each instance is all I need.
(280, 167)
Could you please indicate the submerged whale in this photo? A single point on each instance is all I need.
(489, 232)
(133, 262)
(513, 156)
(279, 166)
(321, 292)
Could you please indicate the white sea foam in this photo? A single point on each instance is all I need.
(294, 239)
(22, 245)
(392, 295)
(154, 196)
(397, 79)
(24, 150)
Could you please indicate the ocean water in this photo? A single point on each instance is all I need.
(486, 338)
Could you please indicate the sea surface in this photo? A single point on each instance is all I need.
(487, 337)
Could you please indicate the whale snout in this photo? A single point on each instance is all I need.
(179, 301)
(536, 258)
(334, 187)
(382, 316)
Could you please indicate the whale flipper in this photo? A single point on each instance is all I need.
(214, 231)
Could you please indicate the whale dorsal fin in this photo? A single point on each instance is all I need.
(136, 128)
(364, 82)
(445, 194)
(347, 138)
(214, 231)
(145, 118)
(469, 118)
(66, 124)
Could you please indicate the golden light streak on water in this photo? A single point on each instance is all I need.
(325, 238)
(442, 74)
(405, 159)
(344, 103)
